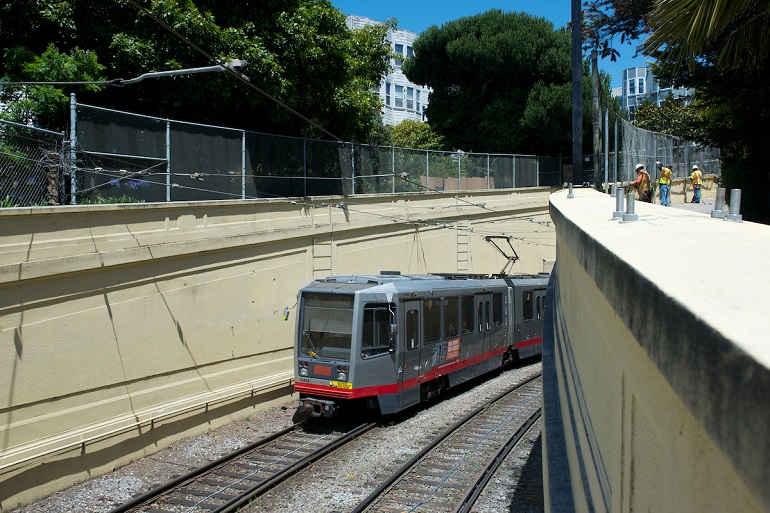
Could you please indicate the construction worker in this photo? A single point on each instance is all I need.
(696, 178)
(642, 184)
(665, 184)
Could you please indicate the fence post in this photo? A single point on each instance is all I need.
(168, 161)
(304, 167)
(352, 169)
(615, 171)
(606, 150)
(488, 182)
(393, 168)
(459, 167)
(73, 144)
(243, 166)
(513, 172)
(427, 169)
(537, 171)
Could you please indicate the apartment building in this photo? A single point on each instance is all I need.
(401, 99)
(639, 84)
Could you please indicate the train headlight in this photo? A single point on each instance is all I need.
(342, 376)
(303, 371)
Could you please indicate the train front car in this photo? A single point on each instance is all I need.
(345, 333)
(527, 301)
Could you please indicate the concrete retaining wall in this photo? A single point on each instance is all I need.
(124, 328)
(656, 361)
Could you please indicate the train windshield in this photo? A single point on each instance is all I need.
(327, 325)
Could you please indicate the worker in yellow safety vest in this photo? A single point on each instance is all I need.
(696, 178)
(665, 184)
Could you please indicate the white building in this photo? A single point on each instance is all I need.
(401, 99)
(639, 83)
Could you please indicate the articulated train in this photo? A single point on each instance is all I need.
(391, 340)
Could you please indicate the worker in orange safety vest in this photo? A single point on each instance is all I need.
(642, 184)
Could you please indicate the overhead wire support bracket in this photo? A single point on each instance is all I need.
(510, 259)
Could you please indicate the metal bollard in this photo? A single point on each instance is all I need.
(618, 214)
(735, 206)
(719, 206)
(570, 195)
(630, 216)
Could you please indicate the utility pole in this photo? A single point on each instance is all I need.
(595, 107)
(577, 90)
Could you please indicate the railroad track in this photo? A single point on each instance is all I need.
(450, 473)
(230, 482)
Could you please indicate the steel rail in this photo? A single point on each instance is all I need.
(368, 501)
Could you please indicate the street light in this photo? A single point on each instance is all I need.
(234, 63)
(119, 82)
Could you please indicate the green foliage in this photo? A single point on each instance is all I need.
(47, 105)
(501, 83)
(301, 56)
(109, 200)
(416, 134)
(673, 117)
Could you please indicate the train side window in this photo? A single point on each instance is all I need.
(431, 314)
(480, 316)
(527, 305)
(450, 317)
(486, 311)
(466, 306)
(497, 309)
(538, 307)
(412, 329)
(375, 338)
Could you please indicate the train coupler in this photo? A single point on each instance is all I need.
(316, 407)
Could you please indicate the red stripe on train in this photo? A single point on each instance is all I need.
(392, 388)
(532, 342)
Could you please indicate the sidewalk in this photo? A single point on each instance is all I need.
(705, 206)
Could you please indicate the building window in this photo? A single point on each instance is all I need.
(399, 97)
(632, 87)
(409, 51)
(410, 98)
(387, 94)
(400, 51)
(417, 100)
(641, 86)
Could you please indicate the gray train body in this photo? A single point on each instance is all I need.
(393, 341)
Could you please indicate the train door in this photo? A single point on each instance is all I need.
(409, 355)
(537, 330)
(527, 338)
(483, 327)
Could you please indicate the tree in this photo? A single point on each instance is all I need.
(501, 83)
(419, 135)
(673, 117)
(732, 32)
(301, 57)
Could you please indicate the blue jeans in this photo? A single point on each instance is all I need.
(696, 194)
(664, 198)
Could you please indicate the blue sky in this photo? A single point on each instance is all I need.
(418, 15)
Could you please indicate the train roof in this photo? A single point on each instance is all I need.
(417, 282)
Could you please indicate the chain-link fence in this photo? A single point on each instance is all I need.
(639, 146)
(31, 166)
(128, 157)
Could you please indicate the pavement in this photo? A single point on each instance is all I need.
(705, 206)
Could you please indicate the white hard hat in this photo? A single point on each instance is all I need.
(694, 167)
(638, 167)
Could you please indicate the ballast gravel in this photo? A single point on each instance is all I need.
(336, 483)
